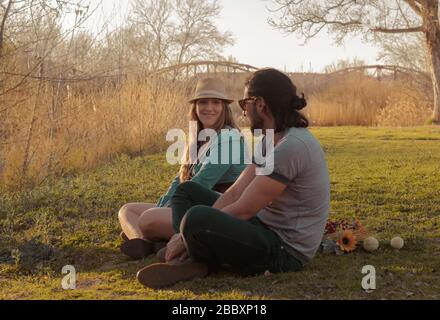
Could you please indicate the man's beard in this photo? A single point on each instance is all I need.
(256, 121)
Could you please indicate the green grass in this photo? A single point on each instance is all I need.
(389, 178)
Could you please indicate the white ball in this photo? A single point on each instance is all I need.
(371, 244)
(397, 243)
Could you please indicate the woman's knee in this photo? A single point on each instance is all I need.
(122, 214)
(156, 223)
(147, 223)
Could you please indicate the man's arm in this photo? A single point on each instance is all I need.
(235, 191)
(261, 192)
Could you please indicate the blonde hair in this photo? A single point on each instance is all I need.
(226, 119)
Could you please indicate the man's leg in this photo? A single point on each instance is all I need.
(244, 247)
(216, 239)
(188, 195)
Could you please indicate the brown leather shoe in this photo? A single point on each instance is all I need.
(162, 275)
(137, 248)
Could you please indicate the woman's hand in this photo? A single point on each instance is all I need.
(176, 249)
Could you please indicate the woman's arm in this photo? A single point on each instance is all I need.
(211, 173)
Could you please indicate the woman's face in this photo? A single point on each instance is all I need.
(209, 112)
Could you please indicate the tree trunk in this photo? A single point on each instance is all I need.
(435, 57)
(3, 25)
(432, 27)
(30, 133)
(434, 51)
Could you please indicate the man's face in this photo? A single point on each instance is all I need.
(250, 112)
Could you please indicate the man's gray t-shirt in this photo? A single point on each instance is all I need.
(300, 213)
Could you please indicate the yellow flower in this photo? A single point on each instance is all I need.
(347, 241)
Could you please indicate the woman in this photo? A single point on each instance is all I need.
(145, 224)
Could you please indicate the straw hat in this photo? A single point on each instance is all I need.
(210, 88)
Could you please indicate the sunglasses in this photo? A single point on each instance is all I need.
(242, 103)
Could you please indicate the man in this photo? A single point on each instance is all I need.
(272, 222)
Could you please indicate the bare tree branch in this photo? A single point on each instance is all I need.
(405, 30)
(414, 6)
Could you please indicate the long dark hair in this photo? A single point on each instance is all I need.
(280, 95)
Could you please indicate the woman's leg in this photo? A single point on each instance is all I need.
(129, 216)
(156, 224)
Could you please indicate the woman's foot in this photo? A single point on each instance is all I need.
(162, 275)
(137, 248)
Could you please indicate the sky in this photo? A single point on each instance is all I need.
(260, 45)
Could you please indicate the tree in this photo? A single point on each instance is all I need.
(197, 36)
(370, 18)
(153, 30)
(407, 50)
(175, 32)
(31, 34)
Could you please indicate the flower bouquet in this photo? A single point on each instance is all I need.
(343, 237)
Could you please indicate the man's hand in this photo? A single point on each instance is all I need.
(176, 249)
(261, 192)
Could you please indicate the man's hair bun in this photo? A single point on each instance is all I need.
(299, 103)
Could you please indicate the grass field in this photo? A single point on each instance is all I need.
(389, 178)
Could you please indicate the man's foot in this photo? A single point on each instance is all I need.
(137, 248)
(162, 275)
(124, 237)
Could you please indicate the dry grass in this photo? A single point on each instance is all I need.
(86, 125)
(50, 129)
(358, 100)
(405, 108)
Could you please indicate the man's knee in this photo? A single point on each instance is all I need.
(185, 189)
(195, 220)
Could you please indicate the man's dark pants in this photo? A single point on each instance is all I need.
(224, 242)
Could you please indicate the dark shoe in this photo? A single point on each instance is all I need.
(160, 255)
(124, 237)
(162, 275)
(137, 248)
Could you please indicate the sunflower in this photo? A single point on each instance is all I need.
(347, 241)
